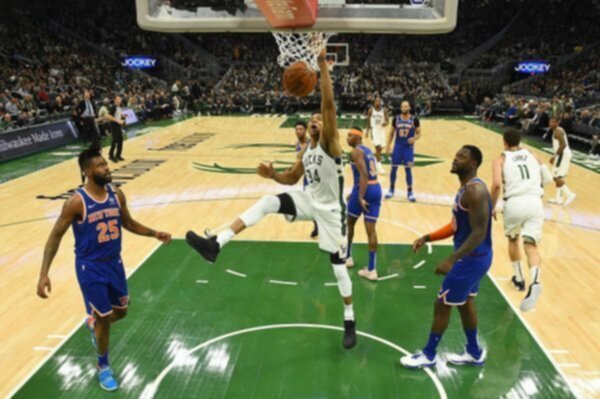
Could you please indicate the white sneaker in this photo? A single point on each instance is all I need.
(555, 201)
(418, 360)
(466, 358)
(369, 275)
(570, 198)
(349, 262)
(528, 303)
(380, 169)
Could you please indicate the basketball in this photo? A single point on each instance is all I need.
(299, 80)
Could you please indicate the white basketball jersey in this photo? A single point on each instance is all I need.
(521, 174)
(556, 143)
(325, 176)
(377, 118)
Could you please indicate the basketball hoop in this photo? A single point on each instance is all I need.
(306, 47)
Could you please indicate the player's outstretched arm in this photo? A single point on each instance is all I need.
(136, 227)
(329, 139)
(71, 208)
(288, 177)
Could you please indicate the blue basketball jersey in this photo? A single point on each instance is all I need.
(404, 129)
(371, 163)
(98, 234)
(462, 226)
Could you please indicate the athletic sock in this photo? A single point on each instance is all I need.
(393, 178)
(535, 274)
(472, 343)
(432, 343)
(225, 236)
(103, 360)
(372, 260)
(409, 178)
(518, 271)
(567, 191)
(348, 312)
(560, 193)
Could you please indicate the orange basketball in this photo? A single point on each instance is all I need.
(299, 80)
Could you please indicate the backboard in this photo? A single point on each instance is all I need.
(360, 16)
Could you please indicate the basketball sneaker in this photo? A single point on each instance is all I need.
(417, 360)
(466, 358)
(389, 194)
(368, 274)
(315, 232)
(208, 248)
(528, 303)
(349, 333)
(349, 262)
(107, 379)
(411, 197)
(90, 323)
(555, 201)
(520, 285)
(570, 198)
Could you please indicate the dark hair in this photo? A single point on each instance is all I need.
(357, 128)
(86, 156)
(512, 137)
(475, 153)
(301, 123)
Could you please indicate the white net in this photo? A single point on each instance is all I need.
(300, 47)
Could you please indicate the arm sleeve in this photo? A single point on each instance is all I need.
(444, 232)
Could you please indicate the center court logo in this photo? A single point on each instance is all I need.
(421, 160)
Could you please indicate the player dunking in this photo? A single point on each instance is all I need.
(323, 202)
(560, 164)
(365, 198)
(301, 142)
(377, 120)
(472, 258)
(97, 213)
(519, 172)
(406, 130)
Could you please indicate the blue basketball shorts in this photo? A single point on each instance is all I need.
(463, 280)
(373, 198)
(103, 285)
(403, 156)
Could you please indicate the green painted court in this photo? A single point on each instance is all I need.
(265, 322)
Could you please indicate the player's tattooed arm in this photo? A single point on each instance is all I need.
(136, 227)
(288, 177)
(71, 209)
(475, 200)
(359, 161)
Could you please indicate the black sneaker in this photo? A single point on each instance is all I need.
(120, 158)
(315, 232)
(208, 248)
(520, 285)
(349, 333)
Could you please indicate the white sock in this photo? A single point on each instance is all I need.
(560, 193)
(348, 312)
(225, 236)
(567, 191)
(518, 271)
(535, 274)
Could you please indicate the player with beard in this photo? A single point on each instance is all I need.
(322, 200)
(97, 212)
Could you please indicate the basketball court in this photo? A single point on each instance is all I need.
(264, 321)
